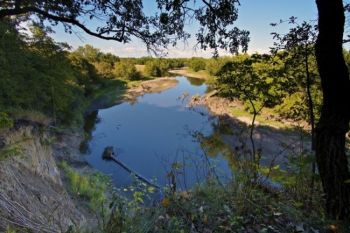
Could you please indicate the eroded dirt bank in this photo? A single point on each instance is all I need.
(32, 194)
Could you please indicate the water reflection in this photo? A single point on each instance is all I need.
(196, 81)
(154, 138)
(89, 126)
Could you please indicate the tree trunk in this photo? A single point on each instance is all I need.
(335, 114)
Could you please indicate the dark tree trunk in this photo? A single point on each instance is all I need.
(335, 114)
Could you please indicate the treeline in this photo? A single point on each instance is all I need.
(44, 80)
(40, 75)
(41, 78)
(277, 81)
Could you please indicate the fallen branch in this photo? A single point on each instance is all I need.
(109, 155)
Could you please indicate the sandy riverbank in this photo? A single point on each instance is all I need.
(202, 74)
(151, 86)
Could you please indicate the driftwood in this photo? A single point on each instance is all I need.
(108, 154)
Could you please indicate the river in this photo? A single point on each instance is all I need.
(157, 138)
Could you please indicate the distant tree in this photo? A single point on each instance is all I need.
(103, 62)
(88, 52)
(157, 67)
(214, 65)
(85, 73)
(126, 69)
(196, 64)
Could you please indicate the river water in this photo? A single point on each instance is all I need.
(157, 138)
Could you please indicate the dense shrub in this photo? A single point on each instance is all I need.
(126, 70)
(103, 63)
(156, 68)
(214, 65)
(175, 63)
(38, 74)
(196, 64)
(5, 121)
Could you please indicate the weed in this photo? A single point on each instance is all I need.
(10, 151)
(93, 187)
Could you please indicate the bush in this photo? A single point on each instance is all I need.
(156, 68)
(126, 70)
(214, 65)
(196, 64)
(5, 121)
(91, 187)
(175, 63)
(293, 107)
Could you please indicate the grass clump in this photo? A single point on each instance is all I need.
(92, 188)
(5, 121)
(10, 151)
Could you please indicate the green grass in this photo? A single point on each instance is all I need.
(14, 148)
(239, 111)
(10, 151)
(92, 187)
(5, 121)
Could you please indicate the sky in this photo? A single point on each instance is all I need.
(254, 16)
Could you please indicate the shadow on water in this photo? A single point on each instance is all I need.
(90, 121)
(196, 81)
(169, 143)
(151, 136)
(283, 151)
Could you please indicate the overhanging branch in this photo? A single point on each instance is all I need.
(72, 21)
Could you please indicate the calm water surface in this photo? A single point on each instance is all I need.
(157, 135)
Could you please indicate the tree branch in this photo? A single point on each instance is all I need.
(25, 10)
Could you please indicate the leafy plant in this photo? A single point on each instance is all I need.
(10, 151)
(91, 187)
(126, 70)
(196, 64)
(5, 121)
(157, 67)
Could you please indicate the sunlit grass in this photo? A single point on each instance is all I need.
(91, 187)
(261, 119)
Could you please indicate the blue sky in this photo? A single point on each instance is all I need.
(254, 15)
